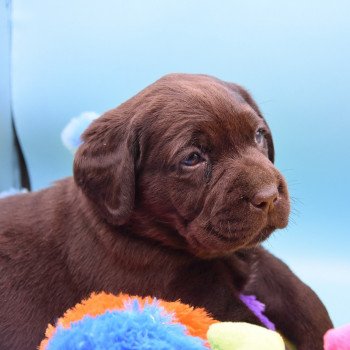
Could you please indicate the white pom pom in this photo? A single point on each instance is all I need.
(72, 132)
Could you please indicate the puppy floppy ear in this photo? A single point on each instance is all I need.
(104, 165)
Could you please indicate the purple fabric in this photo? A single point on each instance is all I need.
(257, 308)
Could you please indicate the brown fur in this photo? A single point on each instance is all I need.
(137, 219)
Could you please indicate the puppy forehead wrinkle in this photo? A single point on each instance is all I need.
(206, 133)
(180, 105)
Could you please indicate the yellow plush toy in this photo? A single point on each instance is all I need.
(243, 336)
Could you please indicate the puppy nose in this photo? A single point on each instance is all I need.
(265, 198)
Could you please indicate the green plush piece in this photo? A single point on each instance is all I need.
(243, 336)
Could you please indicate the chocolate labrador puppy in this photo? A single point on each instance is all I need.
(173, 192)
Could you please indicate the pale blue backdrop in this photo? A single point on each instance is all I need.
(71, 56)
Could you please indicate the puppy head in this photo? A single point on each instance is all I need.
(197, 155)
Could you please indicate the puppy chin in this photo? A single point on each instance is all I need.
(209, 243)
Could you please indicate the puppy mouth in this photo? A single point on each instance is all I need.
(241, 234)
(209, 242)
(228, 237)
(222, 236)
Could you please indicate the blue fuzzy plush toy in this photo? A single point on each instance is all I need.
(124, 322)
(133, 328)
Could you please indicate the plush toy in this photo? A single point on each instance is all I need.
(123, 322)
(105, 321)
(243, 336)
(71, 133)
(338, 338)
(258, 309)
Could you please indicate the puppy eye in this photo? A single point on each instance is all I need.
(260, 136)
(192, 159)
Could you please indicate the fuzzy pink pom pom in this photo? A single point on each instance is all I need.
(338, 338)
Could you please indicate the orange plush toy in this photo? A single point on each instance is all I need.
(188, 326)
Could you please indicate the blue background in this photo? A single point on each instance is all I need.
(71, 56)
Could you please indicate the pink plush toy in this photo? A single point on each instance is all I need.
(338, 338)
